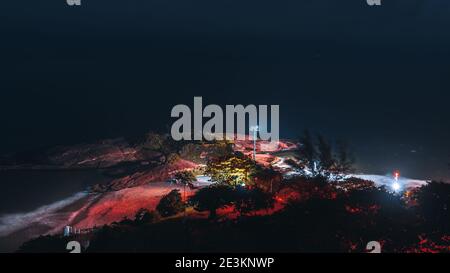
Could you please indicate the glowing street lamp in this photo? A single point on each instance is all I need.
(396, 175)
(255, 130)
(396, 185)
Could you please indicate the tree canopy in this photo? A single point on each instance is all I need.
(232, 170)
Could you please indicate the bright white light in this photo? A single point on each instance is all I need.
(254, 128)
(396, 186)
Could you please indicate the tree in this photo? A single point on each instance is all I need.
(185, 177)
(267, 179)
(144, 216)
(307, 151)
(220, 148)
(170, 204)
(252, 200)
(162, 144)
(231, 170)
(154, 142)
(45, 244)
(212, 198)
(353, 183)
(325, 154)
(192, 152)
(172, 158)
(345, 159)
(434, 205)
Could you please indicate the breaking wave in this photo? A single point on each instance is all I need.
(10, 223)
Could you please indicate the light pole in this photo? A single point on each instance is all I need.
(255, 130)
(396, 185)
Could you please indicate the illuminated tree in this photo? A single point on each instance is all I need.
(232, 170)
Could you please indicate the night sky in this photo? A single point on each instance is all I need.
(378, 77)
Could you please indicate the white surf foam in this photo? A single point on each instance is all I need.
(382, 180)
(10, 223)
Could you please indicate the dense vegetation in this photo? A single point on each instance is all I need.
(327, 217)
(251, 208)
